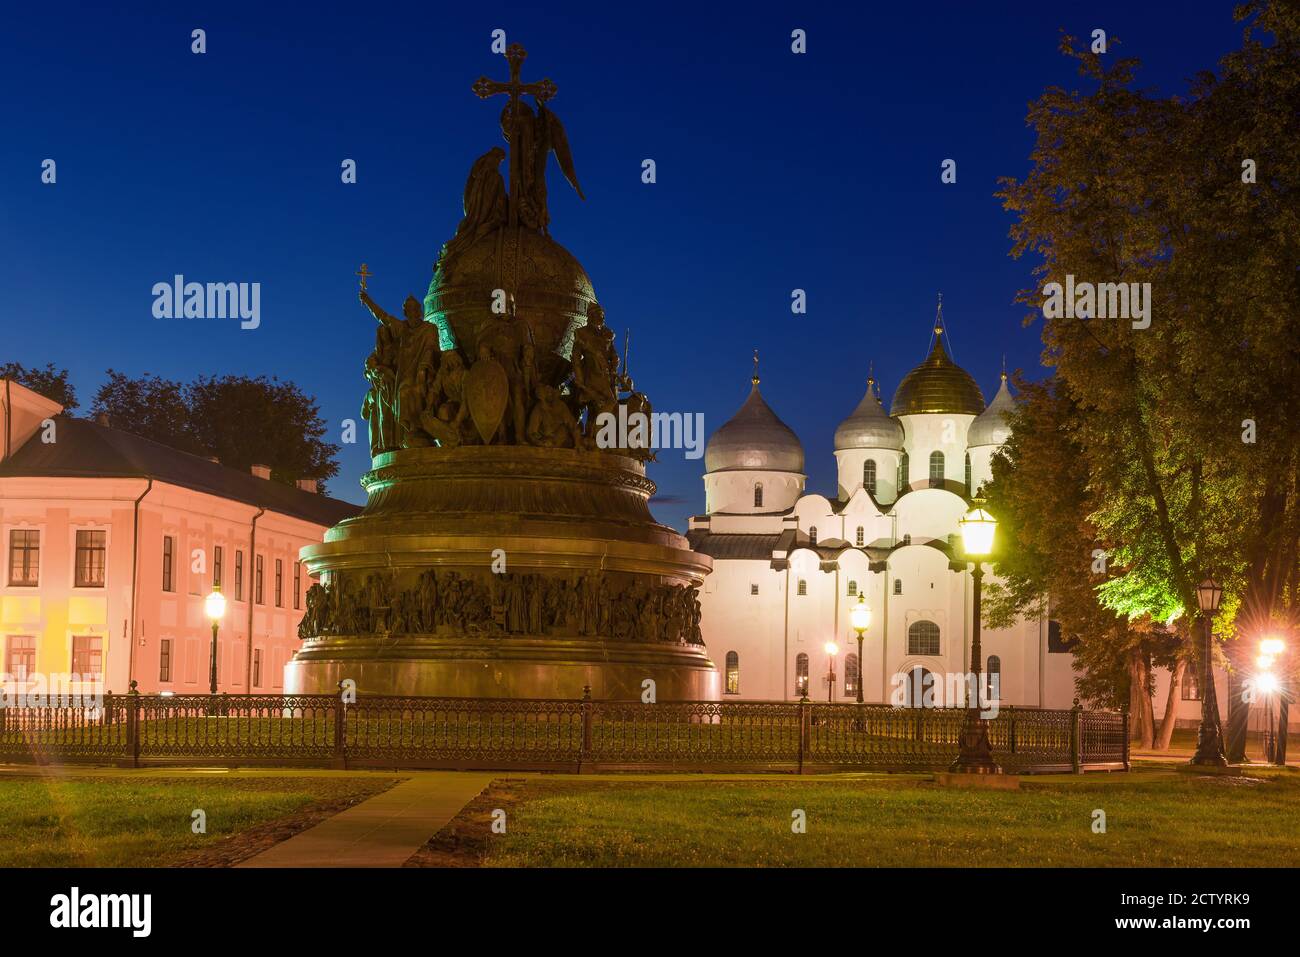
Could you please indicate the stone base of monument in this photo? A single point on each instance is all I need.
(984, 782)
(506, 572)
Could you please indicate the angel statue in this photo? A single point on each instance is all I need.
(540, 135)
(485, 202)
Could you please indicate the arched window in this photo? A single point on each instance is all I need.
(902, 474)
(803, 586)
(869, 475)
(1191, 688)
(861, 538)
(812, 534)
(936, 468)
(994, 679)
(919, 690)
(969, 490)
(733, 673)
(758, 495)
(851, 675)
(923, 638)
(853, 588)
(898, 586)
(801, 674)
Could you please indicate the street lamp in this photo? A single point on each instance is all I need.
(1268, 684)
(976, 754)
(1209, 739)
(214, 606)
(832, 650)
(860, 619)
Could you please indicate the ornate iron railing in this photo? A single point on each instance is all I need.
(538, 734)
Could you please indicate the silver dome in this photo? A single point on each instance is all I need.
(990, 426)
(868, 427)
(756, 439)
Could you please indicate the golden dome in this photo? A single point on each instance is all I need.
(937, 385)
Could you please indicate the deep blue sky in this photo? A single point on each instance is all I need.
(775, 171)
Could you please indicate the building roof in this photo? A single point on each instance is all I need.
(868, 427)
(757, 547)
(87, 449)
(754, 438)
(937, 385)
(990, 426)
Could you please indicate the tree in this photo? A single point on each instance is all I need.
(240, 421)
(1185, 426)
(50, 382)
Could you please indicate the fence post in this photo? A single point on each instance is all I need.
(584, 753)
(1011, 728)
(340, 730)
(133, 724)
(805, 728)
(1076, 737)
(1124, 712)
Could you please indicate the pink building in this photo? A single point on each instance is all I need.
(112, 541)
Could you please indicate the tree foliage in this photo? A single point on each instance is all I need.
(50, 382)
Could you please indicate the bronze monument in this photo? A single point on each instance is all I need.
(501, 551)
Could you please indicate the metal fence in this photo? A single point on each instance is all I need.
(538, 734)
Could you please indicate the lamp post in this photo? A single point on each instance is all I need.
(214, 606)
(832, 650)
(1268, 684)
(1209, 740)
(860, 619)
(976, 754)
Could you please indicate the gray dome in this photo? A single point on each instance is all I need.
(868, 427)
(754, 439)
(990, 426)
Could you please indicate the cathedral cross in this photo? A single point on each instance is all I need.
(543, 90)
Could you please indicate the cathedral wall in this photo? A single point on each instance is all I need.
(850, 462)
(940, 432)
(733, 490)
(981, 470)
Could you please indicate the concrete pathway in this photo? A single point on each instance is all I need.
(383, 831)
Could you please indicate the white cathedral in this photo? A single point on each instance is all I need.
(789, 565)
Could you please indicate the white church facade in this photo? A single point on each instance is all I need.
(789, 565)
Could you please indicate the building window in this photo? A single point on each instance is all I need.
(936, 469)
(812, 534)
(88, 656)
(968, 475)
(257, 667)
(753, 589)
(20, 656)
(923, 638)
(898, 586)
(279, 583)
(853, 588)
(902, 474)
(24, 556)
(257, 579)
(758, 495)
(733, 673)
(217, 561)
(297, 585)
(869, 475)
(1191, 687)
(803, 586)
(994, 679)
(851, 675)
(239, 575)
(92, 545)
(801, 674)
(861, 538)
(169, 562)
(165, 660)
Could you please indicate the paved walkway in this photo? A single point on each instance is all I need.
(383, 831)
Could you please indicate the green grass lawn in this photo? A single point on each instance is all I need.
(119, 821)
(1153, 819)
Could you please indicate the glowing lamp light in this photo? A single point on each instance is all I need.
(214, 606)
(1266, 683)
(1272, 646)
(1208, 595)
(1264, 662)
(977, 528)
(860, 615)
(832, 649)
